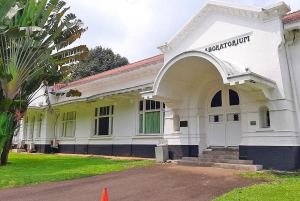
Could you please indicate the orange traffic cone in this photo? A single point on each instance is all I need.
(104, 195)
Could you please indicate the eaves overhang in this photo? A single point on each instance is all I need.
(292, 26)
(259, 87)
(115, 78)
(105, 95)
(116, 73)
(37, 107)
(252, 78)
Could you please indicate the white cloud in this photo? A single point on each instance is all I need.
(133, 28)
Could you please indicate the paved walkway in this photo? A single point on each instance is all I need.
(149, 183)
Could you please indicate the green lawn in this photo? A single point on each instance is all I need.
(27, 169)
(281, 188)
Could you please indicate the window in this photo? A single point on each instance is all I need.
(26, 127)
(31, 128)
(264, 117)
(234, 117)
(217, 100)
(216, 118)
(39, 125)
(151, 116)
(103, 120)
(233, 98)
(68, 124)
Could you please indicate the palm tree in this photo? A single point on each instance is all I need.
(33, 40)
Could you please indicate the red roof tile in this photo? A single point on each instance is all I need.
(114, 71)
(291, 17)
(59, 86)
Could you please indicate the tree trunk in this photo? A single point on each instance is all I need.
(5, 152)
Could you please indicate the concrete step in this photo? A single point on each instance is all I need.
(233, 149)
(217, 160)
(233, 153)
(190, 158)
(234, 157)
(18, 150)
(230, 161)
(219, 165)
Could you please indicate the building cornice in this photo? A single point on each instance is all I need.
(152, 67)
(292, 26)
(104, 94)
(228, 9)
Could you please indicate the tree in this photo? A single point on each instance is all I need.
(32, 36)
(99, 60)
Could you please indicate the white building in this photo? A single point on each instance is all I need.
(227, 78)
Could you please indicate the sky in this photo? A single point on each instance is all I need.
(134, 28)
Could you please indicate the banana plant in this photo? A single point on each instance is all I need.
(34, 35)
(35, 32)
(6, 128)
(7, 11)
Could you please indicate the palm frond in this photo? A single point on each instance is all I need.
(68, 37)
(26, 48)
(59, 6)
(5, 7)
(21, 60)
(7, 11)
(70, 55)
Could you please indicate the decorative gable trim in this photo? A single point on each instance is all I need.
(216, 7)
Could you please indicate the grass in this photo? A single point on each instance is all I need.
(276, 187)
(25, 169)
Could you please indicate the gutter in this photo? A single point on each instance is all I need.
(292, 76)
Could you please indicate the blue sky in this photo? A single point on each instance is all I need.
(134, 28)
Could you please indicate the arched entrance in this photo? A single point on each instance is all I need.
(188, 83)
(224, 117)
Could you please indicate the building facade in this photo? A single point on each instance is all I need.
(228, 78)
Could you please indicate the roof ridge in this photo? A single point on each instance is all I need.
(143, 59)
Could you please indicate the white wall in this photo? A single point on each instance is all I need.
(125, 123)
(260, 54)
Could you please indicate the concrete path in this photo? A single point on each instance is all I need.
(150, 183)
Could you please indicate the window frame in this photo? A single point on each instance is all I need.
(96, 117)
(225, 99)
(161, 111)
(230, 98)
(39, 125)
(214, 99)
(26, 126)
(264, 117)
(31, 128)
(64, 122)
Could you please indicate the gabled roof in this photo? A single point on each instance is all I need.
(115, 71)
(291, 17)
(228, 9)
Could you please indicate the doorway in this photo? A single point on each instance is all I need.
(224, 118)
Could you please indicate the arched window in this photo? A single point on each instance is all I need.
(217, 100)
(233, 98)
(264, 117)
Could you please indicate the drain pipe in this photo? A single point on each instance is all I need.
(292, 76)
